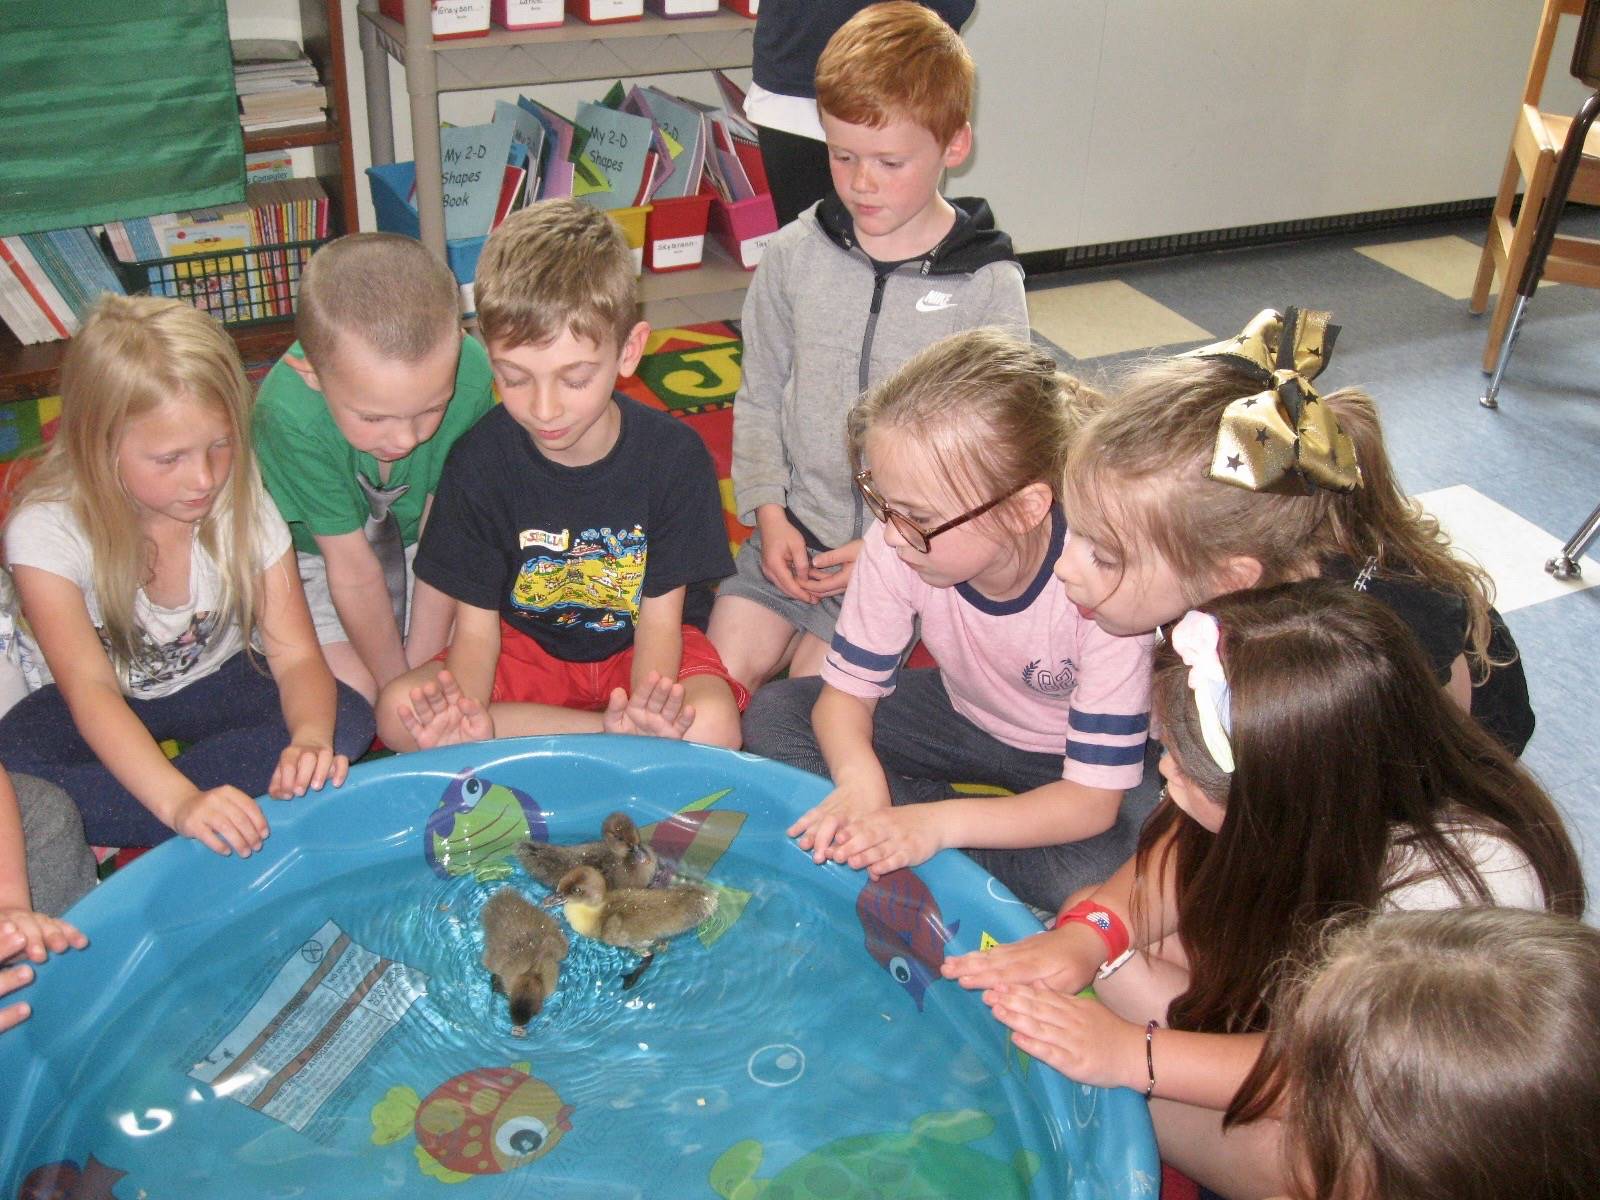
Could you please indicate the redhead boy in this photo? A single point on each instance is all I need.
(352, 427)
(577, 531)
(844, 295)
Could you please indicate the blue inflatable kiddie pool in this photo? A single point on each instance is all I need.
(314, 1021)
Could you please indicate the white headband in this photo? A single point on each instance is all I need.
(1195, 638)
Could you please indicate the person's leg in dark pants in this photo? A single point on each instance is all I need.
(925, 747)
(231, 721)
(797, 170)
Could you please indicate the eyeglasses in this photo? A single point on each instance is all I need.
(917, 537)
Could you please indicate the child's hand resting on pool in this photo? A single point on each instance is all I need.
(306, 763)
(1080, 1037)
(1064, 959)
(17, 929)
(854, 796)
(41, 936)
(222, 818)
(886, 839)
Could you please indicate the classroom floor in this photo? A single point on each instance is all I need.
(1510, 486)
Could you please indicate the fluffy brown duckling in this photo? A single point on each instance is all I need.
(636, 919)
(522, 948)
(620, 856)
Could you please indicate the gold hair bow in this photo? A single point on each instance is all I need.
(1283, 438)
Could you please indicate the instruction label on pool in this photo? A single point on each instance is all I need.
(329, 1004)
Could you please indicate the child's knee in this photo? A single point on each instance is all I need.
(716, 715)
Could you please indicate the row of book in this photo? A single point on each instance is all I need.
(48, 281)
(630, 148)
(239, 263)
(278, 85)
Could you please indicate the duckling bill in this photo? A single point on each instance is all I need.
(620, 856)
(522, 948)
(636, 919)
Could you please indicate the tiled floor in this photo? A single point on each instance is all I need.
(1509, 486)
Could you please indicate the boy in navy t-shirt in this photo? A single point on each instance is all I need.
(577, 531)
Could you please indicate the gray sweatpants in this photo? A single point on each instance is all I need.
(61, 867)
(925, 745)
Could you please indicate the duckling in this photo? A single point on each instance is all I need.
(619, 855)
(522, 948)
(636, 919)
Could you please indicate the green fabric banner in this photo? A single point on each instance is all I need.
(115, 108)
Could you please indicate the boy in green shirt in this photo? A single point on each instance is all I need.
(352, 427)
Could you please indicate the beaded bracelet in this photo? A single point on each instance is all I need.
(1150, 1057)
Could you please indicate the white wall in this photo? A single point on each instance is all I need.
(1104, 120)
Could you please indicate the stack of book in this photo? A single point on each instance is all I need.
(277, 85)
(48, 281)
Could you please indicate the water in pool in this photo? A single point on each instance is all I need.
(331, 1031)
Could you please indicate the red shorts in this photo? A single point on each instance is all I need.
(527, 673)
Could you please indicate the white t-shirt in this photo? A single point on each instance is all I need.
(182, 644)
(1505, 870)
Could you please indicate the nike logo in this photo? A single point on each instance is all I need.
(935, 302)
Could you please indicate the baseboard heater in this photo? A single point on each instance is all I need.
(1073, 258)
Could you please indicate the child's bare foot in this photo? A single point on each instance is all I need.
(441, 714)
(656, 709)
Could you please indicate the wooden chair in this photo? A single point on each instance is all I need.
(1536, 141)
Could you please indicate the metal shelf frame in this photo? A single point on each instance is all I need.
(503, 59)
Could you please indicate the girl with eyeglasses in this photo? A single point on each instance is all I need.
(958, 456)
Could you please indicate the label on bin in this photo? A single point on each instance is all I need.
(459, 16)
(608, 10)
(751, 249)
(532, 12)
(677, 252)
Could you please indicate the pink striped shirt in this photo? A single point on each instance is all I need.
(1032, 672)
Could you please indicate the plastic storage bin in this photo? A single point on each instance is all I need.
(745, 8)
(391, 184)
(744, 227)
(451, 18)
(634, 222)
(527, 14)
(675, 233)
(603, 12)
(683, 8)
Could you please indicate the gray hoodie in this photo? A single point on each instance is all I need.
(822, 324)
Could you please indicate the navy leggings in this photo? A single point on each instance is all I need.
(231, 722)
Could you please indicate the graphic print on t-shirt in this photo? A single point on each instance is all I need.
(1048, 681)
(162, 664)
(595, 580)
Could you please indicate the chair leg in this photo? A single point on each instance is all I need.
(1502, 209)
(1522, 232)
(1565, 565)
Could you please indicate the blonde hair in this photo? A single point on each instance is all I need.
(555, 266)
(132, 355)
(388, 290)
(992, 413)
(1446, 1054)
(897, 60)
(1138, 474)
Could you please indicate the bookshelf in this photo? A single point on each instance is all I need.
(567, 53)
(28, 371)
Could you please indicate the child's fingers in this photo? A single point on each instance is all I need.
(685, 718)
(799, 828)
(320, 766)
(71, 935)
(339, 770)
(822, 840)
(14, 1015)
